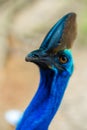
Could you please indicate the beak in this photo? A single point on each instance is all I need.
(31, 57)
(37, 56)
(41, 58)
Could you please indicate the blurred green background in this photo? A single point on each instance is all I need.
(23, 25)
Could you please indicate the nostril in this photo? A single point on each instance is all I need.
(35, 55)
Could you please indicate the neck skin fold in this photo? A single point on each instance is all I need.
(46, 101)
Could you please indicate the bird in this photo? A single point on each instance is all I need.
(55, 61)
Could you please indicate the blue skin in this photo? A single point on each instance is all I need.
(47, 99)
(56, 67)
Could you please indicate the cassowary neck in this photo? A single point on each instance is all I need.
(46, 101)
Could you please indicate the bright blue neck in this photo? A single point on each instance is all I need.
(46, 101)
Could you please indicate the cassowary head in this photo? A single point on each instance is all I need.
(54, 51)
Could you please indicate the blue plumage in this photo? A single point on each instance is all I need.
(56, 67)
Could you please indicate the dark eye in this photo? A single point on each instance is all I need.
(63, 59)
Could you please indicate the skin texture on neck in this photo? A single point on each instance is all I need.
(46, 101)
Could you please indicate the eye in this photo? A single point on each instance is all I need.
(63, 59)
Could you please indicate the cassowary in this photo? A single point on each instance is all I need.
(55, 62)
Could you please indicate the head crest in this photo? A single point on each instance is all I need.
(62, 34)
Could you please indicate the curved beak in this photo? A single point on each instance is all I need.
(33, 56)
(42, 59)
(36, 56)
(39, 57)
